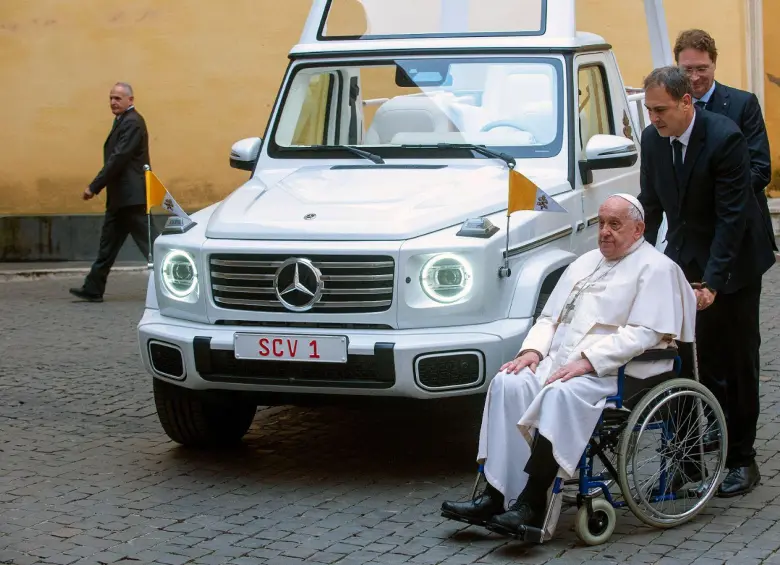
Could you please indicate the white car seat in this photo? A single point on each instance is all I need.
(406, 114)
(517, 97)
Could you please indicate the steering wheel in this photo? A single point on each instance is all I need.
(503, 123)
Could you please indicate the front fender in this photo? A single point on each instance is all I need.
(533, 273)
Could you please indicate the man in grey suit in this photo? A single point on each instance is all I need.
(125, 153)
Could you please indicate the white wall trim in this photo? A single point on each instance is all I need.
(754, 47)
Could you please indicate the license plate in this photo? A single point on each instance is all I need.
(307, 348)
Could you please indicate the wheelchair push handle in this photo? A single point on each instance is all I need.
(701, 286)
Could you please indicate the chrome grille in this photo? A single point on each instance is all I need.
(350, 283)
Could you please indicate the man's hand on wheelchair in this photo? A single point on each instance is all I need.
(704, 296)
(528, 359)
(571, 370)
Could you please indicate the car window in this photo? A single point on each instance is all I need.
(512, 103)
(593, 106)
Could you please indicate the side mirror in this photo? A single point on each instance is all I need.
(607, 152)
(244, 153)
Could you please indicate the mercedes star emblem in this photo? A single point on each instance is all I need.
(298, 284)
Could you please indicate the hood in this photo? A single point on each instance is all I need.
(358, 202)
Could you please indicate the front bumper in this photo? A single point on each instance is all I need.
(394, 363)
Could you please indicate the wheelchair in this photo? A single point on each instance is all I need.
(659, 450)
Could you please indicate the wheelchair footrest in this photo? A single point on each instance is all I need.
(459, 518)
(525, 533)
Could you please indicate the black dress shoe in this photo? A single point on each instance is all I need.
(522, 519)
(739, 480)
(84, 295)
(477, 511)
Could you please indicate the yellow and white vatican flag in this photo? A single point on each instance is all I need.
(525, 195)
(158, 195)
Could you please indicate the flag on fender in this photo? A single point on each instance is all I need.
(525, 195)
(158, 195)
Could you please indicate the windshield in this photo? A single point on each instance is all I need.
(382, 19)
(510, 104)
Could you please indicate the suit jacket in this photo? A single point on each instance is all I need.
(744, 109)
(714, 220)
(125, 153)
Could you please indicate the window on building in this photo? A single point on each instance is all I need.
(593, 104)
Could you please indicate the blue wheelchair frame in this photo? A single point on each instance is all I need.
(587, 481)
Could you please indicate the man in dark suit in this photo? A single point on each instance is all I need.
(696, 168)
(125, 153)
(696, 53)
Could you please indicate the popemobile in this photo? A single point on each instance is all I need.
(370, 252)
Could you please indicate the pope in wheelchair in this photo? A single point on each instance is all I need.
(557, 410)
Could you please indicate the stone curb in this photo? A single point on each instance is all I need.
(31, 274)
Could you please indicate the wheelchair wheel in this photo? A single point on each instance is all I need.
(668, 465)
(595, 528)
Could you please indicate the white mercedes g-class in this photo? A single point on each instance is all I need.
(367, 252)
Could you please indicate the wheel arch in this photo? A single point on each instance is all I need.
(538, 276)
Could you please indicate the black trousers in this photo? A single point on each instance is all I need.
(117, 225)
(728, 340)
(542, 464)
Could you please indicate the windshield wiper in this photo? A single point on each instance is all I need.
(508, 159)
(365, 154)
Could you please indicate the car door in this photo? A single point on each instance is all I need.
(601, 109)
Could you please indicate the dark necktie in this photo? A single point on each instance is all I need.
(678, 161)
(701, 105)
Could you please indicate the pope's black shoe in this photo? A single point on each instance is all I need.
(523, 520)
(84, 295)
(739, 480)
(477, 511)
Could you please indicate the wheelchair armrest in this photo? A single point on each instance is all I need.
(668, 354)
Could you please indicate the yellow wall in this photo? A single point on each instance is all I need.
(772, 87)
(206, 74)
(622, 24)
(203, 76)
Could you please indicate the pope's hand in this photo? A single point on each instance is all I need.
(528, 359)
(571, 370)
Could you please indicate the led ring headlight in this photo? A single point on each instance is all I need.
(446, 278)
(179, 274)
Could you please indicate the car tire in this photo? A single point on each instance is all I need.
(192, 421)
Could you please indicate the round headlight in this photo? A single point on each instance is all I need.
(179, 274)
(446, 278)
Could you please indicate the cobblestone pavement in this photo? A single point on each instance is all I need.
(87, 475)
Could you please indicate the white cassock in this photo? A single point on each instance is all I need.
(610, 311)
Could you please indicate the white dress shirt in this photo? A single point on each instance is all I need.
(707, 95)
(685, 138)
